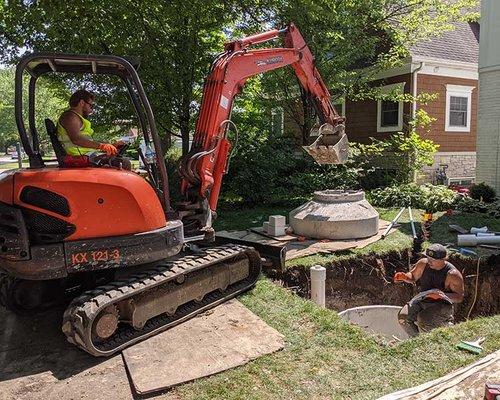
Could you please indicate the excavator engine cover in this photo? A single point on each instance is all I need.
(331, 146)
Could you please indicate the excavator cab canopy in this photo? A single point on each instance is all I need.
(39, 64)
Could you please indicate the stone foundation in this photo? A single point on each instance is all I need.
(460, 165)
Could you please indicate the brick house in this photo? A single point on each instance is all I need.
(447, 66)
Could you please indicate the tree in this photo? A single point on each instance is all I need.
(49, 103)
(177, 40)
(174, 40)
(352, 41)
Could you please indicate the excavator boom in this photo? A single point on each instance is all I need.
(203, 167)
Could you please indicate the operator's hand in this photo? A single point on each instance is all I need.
(108, 148)
(401, 277)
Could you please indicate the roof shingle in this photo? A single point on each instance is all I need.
(461, 44)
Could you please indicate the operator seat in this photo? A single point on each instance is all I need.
(56, 144)
(63, 159)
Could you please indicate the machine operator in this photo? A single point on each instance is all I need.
(440, 285)
(74, 131)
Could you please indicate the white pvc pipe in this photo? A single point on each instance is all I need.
(318, 278)
(473, 240)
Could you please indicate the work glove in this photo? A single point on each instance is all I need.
(401, 277)
(436, 295)
(108, 148)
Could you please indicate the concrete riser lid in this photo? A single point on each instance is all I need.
(335, 214)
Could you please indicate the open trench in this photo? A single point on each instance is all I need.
(368, 281)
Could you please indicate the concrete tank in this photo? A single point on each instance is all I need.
(335, 214)
(379, 320)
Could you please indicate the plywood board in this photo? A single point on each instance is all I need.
(222, 338)
(300, 248)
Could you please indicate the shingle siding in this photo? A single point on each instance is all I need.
(448, 141)
(488, 146)
(361, 116)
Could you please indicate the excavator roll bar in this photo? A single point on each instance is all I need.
(205, 164)
(39, 64)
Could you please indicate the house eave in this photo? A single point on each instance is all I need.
(432, 66)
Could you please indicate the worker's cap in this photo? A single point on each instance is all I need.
(436, 251)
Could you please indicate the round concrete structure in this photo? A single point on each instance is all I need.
(379, 320)
(335, 214)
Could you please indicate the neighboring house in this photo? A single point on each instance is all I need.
(488, 140)
(447, 66)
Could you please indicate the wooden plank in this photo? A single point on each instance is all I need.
(222, 338)
(296, 248)
(454, 385)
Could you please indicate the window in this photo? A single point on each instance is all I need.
(458, 111)
(458, 108)
(390, 113)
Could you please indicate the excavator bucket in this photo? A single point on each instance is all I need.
(331, 146)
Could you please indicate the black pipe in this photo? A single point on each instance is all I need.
(35, 137)
(34, 160)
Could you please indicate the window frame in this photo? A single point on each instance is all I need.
(458, 91)
(395, 87)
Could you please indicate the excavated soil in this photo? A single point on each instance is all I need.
(368, 281)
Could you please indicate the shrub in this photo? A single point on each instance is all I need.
(397, 196)
(431, 198)
(272, 171)
(483, 192)
(438, 198)
(172, 158)
(468, 205)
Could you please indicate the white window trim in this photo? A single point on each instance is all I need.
(396, 87)
(458, 91)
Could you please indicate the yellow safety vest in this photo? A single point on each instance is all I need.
(66, 142)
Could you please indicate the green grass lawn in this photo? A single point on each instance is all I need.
(13, 165)
(326, 358)
(399, 240)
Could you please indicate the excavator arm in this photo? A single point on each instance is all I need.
(205, 164)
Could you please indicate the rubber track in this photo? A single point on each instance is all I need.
(79, 316)
(5, 282)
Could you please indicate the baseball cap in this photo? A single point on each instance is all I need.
(436, 251)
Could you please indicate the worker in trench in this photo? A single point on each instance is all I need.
(75, 134)
(440, 286)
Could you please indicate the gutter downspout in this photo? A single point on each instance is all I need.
(414, 103)
(414, 89)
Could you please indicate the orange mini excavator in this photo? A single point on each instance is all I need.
(110, 237)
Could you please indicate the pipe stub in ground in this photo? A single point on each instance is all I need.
(318, 278)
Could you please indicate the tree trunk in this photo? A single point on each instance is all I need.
(184, 130)
(184, 119)
(308, 113)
